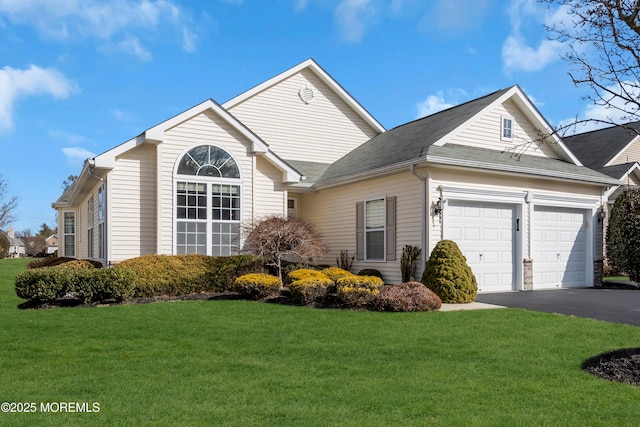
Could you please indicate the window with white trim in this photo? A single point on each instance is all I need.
(374, 229)
(506, 132)
(69, 233)
(90, 220)
(208, 202)
(102, 238)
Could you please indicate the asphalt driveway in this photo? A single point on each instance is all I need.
(611, 305)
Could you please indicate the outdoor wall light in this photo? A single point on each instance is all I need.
(438, 206)
(601, 215)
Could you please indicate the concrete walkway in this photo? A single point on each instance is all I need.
(470, 306)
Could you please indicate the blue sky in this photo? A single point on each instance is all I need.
(78, 77)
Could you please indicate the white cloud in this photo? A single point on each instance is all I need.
(189, 39)
(353, 17)
(133, 47)
(105, 20)
(77, 155)
(432, 104)
(16, 84)
(519, 53)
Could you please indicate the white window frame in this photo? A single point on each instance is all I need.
(382, 229)
(503, 128)
(102, 215)
(71, 235)
(90, 223)
(209, 183)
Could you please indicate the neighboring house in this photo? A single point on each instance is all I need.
(488, 174)
(17, 248)
(52, 244)
(614, 151)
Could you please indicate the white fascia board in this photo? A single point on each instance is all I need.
(289, 175)
(613, 159)
(324, 76)
(156, 134)
(509, 169)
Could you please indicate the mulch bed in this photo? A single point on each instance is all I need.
(619, 365)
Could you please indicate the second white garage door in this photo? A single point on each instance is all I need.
(485, 234)
(559, 247)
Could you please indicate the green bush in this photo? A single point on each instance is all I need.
(256, 285)
(336, 273)
(370, 272)
(623, 234)
(172, 275)
(358, 291)
(448, 275)
(305, 274)
(311, 289)
(63, 261)
(47, 284)
(410, 296)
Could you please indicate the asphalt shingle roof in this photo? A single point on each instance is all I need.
(406, 142)
(596, 148)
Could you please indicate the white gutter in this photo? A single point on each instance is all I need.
(423, 225)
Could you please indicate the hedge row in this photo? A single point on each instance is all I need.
(146, 276)
(48, 284)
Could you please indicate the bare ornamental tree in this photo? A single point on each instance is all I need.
(8, 205)
(603, 39)
(278, 239)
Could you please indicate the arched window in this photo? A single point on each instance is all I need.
(208, 202)
(208, 160)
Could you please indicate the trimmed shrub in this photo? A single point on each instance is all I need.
(623, 234)
(358, 291)
(256, 285)
(370, 272)
(55, 261)
(410, 296)
(172, 275)
(305, 274)
(448, 275)
(335, 273)
(310, 290)
(47, 284)
(77, 264)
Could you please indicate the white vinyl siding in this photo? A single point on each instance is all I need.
(322, 131)
(630, 154)
(132, 205)
(485, 132)
(337, 224)
(205, 128)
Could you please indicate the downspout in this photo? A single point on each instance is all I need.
(423, 225)
(92, 164)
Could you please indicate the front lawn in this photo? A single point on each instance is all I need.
(255, 364)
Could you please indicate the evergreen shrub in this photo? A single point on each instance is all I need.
(48, 284)
(623, 234)
(448, 275)
(336, 273)
(55, 261)
(409, 296)
(358, 291)
(173, 275)
(256, 285)
(311, 289)
(370, 272)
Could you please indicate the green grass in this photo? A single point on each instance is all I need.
(253, 364)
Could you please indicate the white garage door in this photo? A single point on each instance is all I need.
(485, 234)
(559, 247)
